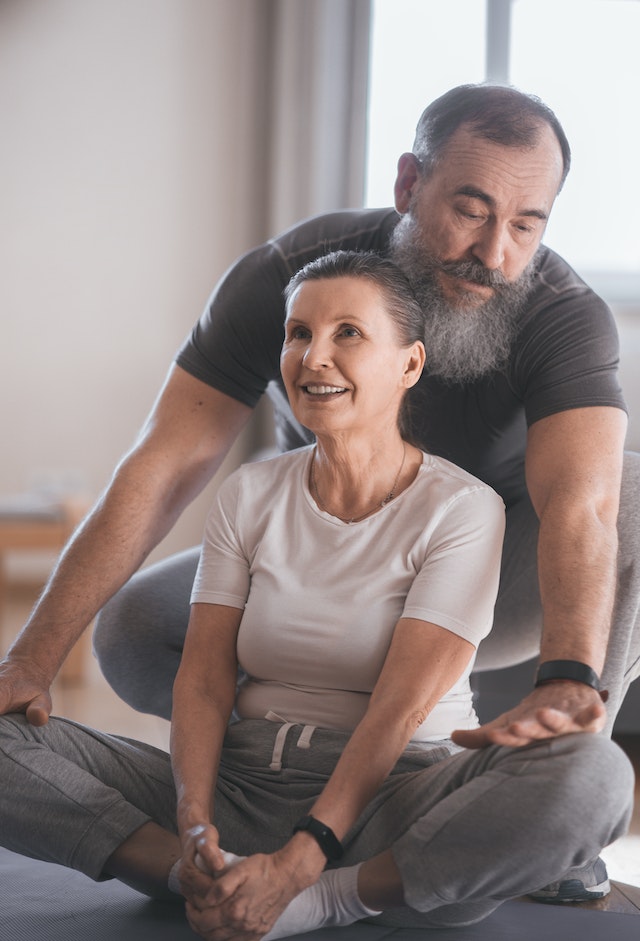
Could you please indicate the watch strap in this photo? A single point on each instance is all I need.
(567, 670)
(323, 835)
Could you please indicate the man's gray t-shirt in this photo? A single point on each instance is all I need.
(565, 354)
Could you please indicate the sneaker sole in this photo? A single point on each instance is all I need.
(572, 891)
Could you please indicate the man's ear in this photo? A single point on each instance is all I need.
(408, 173)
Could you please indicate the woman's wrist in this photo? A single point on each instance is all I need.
(191, 816)
(304, 858)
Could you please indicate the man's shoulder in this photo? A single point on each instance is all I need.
(348, 229)
(555, 280)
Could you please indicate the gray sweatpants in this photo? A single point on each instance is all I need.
(139, 635)
(468, 829)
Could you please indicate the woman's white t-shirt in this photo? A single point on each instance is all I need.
(321, 598)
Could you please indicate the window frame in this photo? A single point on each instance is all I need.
(617, 286)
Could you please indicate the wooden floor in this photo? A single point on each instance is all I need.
(92, 702)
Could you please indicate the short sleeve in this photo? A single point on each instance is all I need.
(235, 345)
(222, 576)
(457, 584)
(568, 347)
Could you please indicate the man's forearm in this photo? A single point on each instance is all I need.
(577, 572)
(105, 551)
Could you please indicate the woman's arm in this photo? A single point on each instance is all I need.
(423, 662)
(203, 698)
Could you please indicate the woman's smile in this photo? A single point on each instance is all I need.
(342, 362)
(323, 391)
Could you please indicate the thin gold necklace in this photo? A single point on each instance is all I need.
(356, 519)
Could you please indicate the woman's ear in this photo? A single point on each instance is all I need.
(414, 364)
(408, 174)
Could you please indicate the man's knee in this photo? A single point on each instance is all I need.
(595, 779)
(139, 633)
(629, 514)
(152, 609)
(109, 626)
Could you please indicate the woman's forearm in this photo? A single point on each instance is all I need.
(423, 663)
(203, 698)
(197, 730)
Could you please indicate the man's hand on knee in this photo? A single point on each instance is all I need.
(557, 708)
(22, 691)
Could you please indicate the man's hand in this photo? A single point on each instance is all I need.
(554, 709)
(22, 689)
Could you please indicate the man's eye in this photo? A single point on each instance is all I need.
(524, 231)
(471, 216)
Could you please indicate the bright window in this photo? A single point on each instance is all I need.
(580, 56)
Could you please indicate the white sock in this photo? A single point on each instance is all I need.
(173, 883)
(229, 858)
(331, 901)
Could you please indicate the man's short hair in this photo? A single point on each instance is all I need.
(498, 113)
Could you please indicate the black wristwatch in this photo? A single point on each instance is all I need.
(323, 835)
(568, 670)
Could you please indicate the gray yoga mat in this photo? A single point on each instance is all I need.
(43, 902)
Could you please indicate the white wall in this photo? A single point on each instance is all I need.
(126, 188)
(125, 191)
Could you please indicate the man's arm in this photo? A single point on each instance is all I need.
(187, 435)
(574, 468)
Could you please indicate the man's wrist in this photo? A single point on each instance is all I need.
(575, 671)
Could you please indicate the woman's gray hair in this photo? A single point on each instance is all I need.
(401, 303)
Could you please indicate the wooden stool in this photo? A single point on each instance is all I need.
(23, 530)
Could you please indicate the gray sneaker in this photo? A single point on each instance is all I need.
(579, 885)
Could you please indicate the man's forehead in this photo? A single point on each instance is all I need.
(475, 166)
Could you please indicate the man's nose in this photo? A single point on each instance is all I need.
(489, 247)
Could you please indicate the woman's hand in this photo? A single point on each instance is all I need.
(245, 900)
(202, 861)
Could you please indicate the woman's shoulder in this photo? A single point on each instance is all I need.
(268, 470)
(453, 479)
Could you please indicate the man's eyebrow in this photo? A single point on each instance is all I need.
(476, 193)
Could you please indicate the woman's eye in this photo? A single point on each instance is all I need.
(298, 333)
(350, 332)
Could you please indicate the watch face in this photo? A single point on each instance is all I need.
(323, 835)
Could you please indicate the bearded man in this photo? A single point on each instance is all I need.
(520, 389)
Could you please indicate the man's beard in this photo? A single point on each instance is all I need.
(464, 341)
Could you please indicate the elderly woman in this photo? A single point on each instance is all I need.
(351, 582)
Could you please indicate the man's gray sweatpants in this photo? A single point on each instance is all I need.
(468, 829)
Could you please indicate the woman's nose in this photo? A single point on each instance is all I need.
(317, 354)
